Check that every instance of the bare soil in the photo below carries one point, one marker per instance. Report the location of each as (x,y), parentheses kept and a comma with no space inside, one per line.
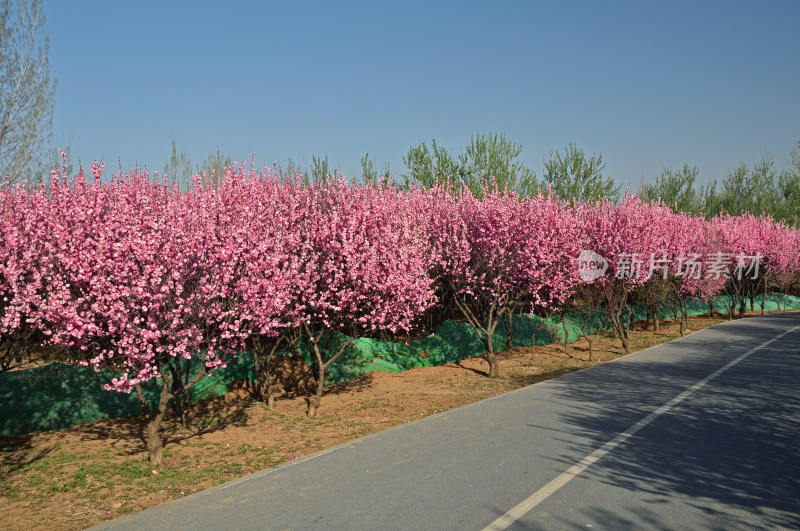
(74,478)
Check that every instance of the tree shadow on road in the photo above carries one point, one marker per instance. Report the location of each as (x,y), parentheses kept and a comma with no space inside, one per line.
(733,446)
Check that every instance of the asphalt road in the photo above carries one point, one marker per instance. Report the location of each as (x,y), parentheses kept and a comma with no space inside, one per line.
(699,433)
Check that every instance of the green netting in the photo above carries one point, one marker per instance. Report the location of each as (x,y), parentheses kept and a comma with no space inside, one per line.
(58,396)
(575,318)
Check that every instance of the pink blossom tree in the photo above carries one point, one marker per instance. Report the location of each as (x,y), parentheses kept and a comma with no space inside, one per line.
(268,219)
(18,336)
(368,270)
(498,255)
(628,236)
(690,242)
(742,244)
(133,277)
(783,254)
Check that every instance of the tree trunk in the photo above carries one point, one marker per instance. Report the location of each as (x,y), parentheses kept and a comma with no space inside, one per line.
(260,370)
(566,334)
(318,366)
(511,328)
(181,400)
(655,321)
(494,363)
(319,347)
(315,400)
(264,358)
(155,441)
(491,356)
(731,307)
(619,328)
(626,345)
(485,332)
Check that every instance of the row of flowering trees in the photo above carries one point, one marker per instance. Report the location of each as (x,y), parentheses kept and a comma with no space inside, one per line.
(135,275)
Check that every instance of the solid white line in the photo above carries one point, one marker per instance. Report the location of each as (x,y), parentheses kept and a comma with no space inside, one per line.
(540,495)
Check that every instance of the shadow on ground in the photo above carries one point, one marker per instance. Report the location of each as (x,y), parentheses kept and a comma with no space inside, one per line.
(734,447)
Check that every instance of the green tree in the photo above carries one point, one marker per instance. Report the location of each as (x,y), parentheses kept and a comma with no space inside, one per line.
(709,199)
(676,188)
(734,184)
(763,197)
(321,169)
(27,93)
(370,172)
(789,189)
(492,157)
(290,168)
(574,176)
(428,167)
(753,190)
(178,168)
(488,158)
(214,166)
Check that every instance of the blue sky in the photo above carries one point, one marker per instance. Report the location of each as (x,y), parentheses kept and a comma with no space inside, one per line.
(647,84)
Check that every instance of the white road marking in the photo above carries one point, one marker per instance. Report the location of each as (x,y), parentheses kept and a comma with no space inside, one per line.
(540,495)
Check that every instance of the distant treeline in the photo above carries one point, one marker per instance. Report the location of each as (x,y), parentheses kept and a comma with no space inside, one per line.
(758,188)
